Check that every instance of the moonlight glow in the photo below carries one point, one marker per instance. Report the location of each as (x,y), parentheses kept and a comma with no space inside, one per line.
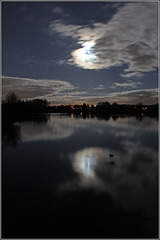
(87,52)
(85,55)
(85,162)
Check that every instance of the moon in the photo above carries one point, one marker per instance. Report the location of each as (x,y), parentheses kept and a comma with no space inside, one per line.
(86,52)
(85,55)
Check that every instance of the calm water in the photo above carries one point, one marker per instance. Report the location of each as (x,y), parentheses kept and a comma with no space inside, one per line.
(66,176)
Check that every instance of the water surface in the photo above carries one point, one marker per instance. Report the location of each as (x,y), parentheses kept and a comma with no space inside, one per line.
(82,177)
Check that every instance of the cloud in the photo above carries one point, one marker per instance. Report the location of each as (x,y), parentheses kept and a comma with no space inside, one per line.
(127,84)
(100,87)
(146,96)
(65,30)
(133,74)
(129,38)
(62,92)
(55,91)
(76,93)
(27,88)
(57,10)
(117,5)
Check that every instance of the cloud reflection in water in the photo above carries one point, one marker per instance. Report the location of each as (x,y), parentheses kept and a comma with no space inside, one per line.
(64,127)
(129,177)
(131,181)
(85,162)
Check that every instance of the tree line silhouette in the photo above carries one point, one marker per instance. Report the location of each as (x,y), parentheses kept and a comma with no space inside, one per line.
(13,107)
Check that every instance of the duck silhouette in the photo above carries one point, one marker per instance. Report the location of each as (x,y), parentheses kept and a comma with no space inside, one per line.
(111,162)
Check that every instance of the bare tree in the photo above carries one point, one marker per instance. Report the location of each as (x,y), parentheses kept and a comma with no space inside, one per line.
(11,98)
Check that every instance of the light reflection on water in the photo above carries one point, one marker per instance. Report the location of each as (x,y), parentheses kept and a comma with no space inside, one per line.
(129,178)
(66,156)
(64,126)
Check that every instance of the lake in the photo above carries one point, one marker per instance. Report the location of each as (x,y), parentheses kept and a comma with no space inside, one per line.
(67,176)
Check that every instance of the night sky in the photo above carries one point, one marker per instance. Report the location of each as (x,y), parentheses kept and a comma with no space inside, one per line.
(76,52)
